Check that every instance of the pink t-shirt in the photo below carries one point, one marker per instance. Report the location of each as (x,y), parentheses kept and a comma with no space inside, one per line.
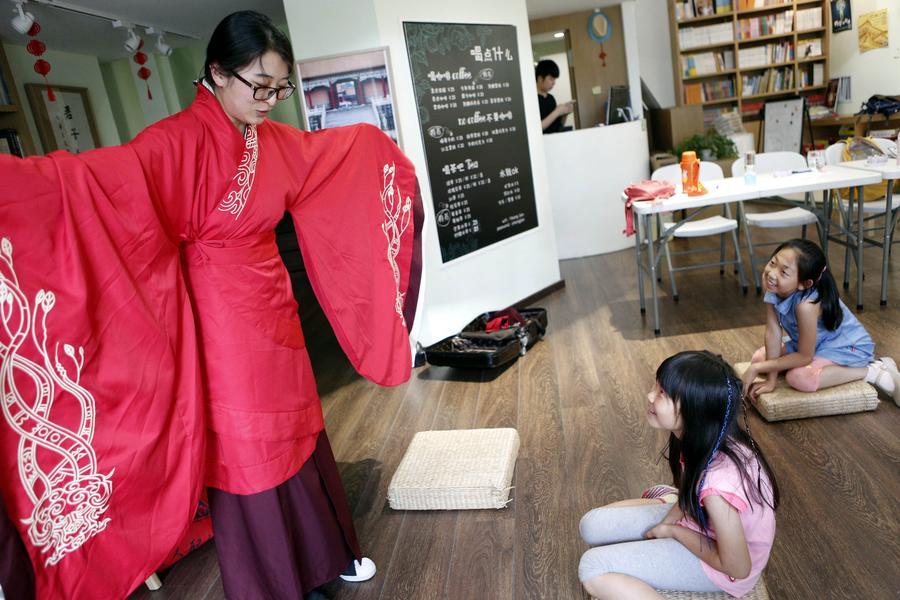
(723,479)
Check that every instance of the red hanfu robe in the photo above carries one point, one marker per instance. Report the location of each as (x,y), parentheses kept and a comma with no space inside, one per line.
(149,338)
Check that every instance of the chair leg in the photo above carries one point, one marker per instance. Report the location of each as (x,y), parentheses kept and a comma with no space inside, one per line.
(671,273)
(803,232)
(754,272)
(721,254)
(739,263)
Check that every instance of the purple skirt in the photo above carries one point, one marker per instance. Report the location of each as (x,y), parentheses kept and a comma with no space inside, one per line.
(280,543)
(288,540)
(16,576)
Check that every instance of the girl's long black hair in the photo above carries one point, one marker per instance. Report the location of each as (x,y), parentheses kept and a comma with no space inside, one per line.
(708,394)
(812,266)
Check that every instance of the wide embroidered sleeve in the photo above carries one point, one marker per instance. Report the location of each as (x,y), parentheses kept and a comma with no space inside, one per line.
(100,445)
(358,218)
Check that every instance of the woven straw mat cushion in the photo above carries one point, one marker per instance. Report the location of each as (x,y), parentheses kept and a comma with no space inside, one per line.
(759,592)
(449,470)
(784,402)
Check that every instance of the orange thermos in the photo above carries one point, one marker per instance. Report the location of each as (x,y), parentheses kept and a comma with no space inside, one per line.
(690,174)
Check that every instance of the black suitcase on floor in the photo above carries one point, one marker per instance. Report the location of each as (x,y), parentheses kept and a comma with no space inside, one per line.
(491,340)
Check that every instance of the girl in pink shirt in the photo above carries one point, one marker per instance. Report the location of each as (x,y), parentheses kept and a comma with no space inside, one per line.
(718,535)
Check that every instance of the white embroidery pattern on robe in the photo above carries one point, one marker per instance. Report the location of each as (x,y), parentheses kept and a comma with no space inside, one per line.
(397,213)
(236,200)
(57,465)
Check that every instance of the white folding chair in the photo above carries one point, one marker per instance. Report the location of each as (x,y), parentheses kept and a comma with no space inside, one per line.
(834,155)
(717,225)
(798,216)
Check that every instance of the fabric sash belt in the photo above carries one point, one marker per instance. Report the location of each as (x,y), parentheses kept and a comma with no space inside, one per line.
(239,251)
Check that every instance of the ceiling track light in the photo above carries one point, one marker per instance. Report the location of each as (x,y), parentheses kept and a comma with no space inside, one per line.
(161,46)
(22,21)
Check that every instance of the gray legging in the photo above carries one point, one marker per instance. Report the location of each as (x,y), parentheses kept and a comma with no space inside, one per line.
(618,534)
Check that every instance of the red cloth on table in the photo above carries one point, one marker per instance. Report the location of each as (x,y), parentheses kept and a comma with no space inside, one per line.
(152,344)
(644,191)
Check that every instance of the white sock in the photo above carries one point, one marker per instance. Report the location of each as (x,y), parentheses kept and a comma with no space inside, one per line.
(885,381)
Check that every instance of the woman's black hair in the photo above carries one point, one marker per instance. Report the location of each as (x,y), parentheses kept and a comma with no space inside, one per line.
(812,266)
(708,395)
(242,37)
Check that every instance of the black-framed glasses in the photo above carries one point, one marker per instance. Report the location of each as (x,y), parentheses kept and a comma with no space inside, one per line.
(262,92)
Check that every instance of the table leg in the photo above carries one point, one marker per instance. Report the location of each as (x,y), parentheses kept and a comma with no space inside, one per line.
(860,242)
(888,230)
(651,259)
(638,242)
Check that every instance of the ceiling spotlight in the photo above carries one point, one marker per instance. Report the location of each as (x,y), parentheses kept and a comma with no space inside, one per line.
(161,47)
(22,21)
(132,42)
(559,34)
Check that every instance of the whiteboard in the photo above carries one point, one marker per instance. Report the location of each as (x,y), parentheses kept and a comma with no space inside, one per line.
(783,125)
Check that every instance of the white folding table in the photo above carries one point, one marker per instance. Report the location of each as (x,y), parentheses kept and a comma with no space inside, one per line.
(890,172)
(733,189)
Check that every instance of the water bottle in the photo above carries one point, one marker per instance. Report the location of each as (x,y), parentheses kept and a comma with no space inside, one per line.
(750,168)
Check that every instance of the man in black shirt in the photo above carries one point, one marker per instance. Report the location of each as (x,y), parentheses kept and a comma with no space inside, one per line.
(552,115)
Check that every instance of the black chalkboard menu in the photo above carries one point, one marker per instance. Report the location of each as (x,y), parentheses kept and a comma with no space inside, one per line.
(469,96)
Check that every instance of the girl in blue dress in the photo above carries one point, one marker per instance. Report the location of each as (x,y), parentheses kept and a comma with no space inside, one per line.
(824,344)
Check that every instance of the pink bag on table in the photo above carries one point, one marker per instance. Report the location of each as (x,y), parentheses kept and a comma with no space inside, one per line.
(642,192)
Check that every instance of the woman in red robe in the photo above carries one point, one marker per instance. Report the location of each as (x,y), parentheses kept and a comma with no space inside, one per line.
(150,341)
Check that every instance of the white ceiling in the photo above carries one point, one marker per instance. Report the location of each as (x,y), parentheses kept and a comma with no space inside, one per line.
(194,20)
(72,32)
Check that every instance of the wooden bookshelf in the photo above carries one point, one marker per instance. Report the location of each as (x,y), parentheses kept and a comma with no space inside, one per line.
(12,115)
(731,73)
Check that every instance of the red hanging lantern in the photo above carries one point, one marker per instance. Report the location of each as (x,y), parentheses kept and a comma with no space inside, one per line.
(37,48)
(144,73)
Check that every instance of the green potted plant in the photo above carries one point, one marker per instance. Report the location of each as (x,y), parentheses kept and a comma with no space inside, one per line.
(709,146)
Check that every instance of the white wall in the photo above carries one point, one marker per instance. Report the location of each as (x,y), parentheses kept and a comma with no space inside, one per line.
(655,49)
(498,275)
(588,170)
(873,72)
(67,69)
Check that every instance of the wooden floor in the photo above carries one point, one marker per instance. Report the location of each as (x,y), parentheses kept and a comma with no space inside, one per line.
(578,401)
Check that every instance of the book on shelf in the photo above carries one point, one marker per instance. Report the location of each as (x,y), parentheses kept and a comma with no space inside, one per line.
(697,93)
(810,48)
(10,142)
(705,35)
(767,82)
(5,96)
(760,56)
(809,18)
(755,27)
(831,93)
(812,75)
(751,4)
(752,108)
(701,8)
(705,63)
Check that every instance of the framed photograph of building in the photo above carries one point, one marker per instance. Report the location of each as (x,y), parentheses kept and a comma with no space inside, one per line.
(65,123)
(347,89)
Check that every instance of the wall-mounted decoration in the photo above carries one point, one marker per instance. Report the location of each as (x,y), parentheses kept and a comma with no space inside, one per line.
(468,86)
(600,29)
(66,123)
(841,20)
(873,30)
(348,89)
